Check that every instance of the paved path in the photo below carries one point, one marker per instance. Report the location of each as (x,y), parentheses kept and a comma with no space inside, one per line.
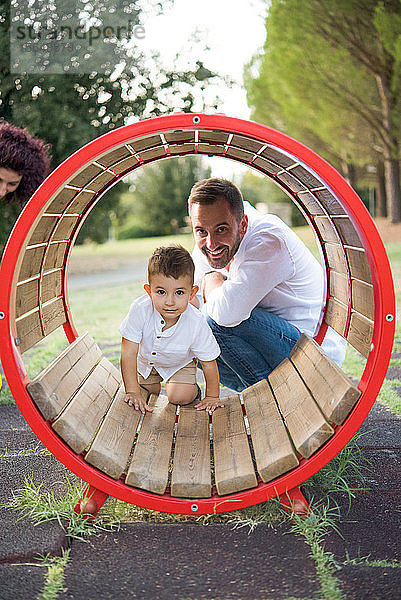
(188,561)
(124,274)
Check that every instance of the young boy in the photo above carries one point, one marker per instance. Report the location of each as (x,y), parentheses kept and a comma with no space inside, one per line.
(163,336)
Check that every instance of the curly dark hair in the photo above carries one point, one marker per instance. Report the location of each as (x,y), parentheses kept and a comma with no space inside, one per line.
(27,156)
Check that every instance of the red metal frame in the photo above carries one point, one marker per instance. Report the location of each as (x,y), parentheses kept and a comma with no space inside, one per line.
(376,365)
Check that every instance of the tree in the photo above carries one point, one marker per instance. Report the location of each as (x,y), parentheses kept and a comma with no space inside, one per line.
(71,108)
(336,79)
(161,193)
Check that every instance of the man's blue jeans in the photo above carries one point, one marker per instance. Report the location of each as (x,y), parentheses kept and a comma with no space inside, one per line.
(252,349)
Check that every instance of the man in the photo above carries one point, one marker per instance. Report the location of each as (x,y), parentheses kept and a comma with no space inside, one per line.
(261,287)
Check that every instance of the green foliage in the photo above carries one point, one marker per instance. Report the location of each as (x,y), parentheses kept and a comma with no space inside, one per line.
(161,193)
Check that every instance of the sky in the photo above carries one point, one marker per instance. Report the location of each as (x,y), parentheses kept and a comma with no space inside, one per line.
(234,31)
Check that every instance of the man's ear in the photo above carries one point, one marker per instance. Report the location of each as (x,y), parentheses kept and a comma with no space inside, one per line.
(243,226)
(146,287)
(194,291)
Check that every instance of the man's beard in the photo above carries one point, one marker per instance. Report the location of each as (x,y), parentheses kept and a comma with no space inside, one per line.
(222,261)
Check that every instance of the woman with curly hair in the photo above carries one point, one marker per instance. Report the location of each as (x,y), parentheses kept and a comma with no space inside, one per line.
(24,163)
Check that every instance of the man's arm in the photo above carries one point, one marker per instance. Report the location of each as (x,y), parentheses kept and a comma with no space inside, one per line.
(211,280)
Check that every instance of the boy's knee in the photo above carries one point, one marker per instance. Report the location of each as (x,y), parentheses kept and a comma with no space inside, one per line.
(181,394)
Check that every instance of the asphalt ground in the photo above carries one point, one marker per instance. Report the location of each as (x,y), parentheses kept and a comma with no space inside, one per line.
(192,561)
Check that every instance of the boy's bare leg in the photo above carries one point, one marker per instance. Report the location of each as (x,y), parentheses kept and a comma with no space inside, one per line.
(181,393)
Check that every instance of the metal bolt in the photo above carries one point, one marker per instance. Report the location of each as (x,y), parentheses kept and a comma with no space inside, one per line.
(2,315)
(389,318)
(194,507)
(372,347)
(195,120)
(17,341)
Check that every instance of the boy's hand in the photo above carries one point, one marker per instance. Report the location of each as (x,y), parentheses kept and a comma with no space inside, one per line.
(136,400)
(210,404)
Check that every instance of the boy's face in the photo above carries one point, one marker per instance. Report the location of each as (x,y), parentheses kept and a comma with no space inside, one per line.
(170,296)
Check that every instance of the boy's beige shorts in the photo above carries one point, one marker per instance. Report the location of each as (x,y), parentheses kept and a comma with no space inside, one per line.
(185,375)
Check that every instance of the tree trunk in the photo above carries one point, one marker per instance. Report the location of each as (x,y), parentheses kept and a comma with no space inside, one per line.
(393,189)
(381,200)
(349,173)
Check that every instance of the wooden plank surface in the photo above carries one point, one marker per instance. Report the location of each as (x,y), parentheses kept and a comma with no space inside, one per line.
(179,136)
(363,298)
(306,177)
(150,463)
(51,285)
(52,389)
(311,203)
(330,202)
(53,315)
(86,175)
(358,264)
(266,165)
(78,422)
(305,422)
(239,154)
(326,229)
(213,137)
(61,201)
(233,464)
(360,333)
(210,149)
(29,331)
(112,445)
(191,477)
(113,156)
(339,287)
(347,232)
(335,258)
(32,262)
(242,141)
(272,446)
(336,315)
(27,297)
(277,157)
(330,387)
(55,255)
(43,230)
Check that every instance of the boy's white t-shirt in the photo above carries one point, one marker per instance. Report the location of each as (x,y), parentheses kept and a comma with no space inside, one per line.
(271,269)
(170,350)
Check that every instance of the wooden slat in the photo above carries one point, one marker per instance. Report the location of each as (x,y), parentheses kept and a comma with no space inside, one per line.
(80,202)
(31,263)
(326,229)
(150,463)
(306,177)
(53,315)
(112,445)
(277,157)
(29,331)
(272,447)
(213,137)
(246,143)
(358,264)
(347,232)
(336,315)
(290,181)
(61,201)
(191,477)
(339,286)
(55,255)
(52,285)
(147,142)
(307,426)
(360,333)
(65,227)
(180,136)
(43,230)
(53,388)
(329,202)
(210,149)
(99,182)
(310,203)
(124,165)
(78,422)
(265,165)
(363,298)
(152,153)
(182,149)
(27,297)
(330,387)
(85,176)
(239,154)
(232,456)
(114,156)
(336,258)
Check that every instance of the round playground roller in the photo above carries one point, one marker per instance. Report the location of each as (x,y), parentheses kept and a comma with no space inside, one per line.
(40,244)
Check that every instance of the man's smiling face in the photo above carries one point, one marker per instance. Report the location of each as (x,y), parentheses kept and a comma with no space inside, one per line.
(217,232)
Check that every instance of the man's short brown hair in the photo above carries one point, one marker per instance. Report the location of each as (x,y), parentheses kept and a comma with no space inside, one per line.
(208,191)
(171,261)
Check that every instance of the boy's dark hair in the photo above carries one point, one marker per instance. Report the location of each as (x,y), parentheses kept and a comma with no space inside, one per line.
(27,156)
(171,261)
(207,191)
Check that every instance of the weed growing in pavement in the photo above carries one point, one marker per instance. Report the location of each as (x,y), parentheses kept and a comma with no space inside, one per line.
(322,519)
(364,561)
(54,581)
(40,506)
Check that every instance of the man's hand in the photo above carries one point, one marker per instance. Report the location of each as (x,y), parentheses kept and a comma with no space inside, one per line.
(137,400)
(211,281)
(210,404)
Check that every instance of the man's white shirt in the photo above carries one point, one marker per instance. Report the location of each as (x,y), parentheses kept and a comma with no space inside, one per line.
(272,269)
(170,350)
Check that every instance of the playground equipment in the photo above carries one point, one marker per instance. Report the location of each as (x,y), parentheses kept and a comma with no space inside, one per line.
(281,431)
